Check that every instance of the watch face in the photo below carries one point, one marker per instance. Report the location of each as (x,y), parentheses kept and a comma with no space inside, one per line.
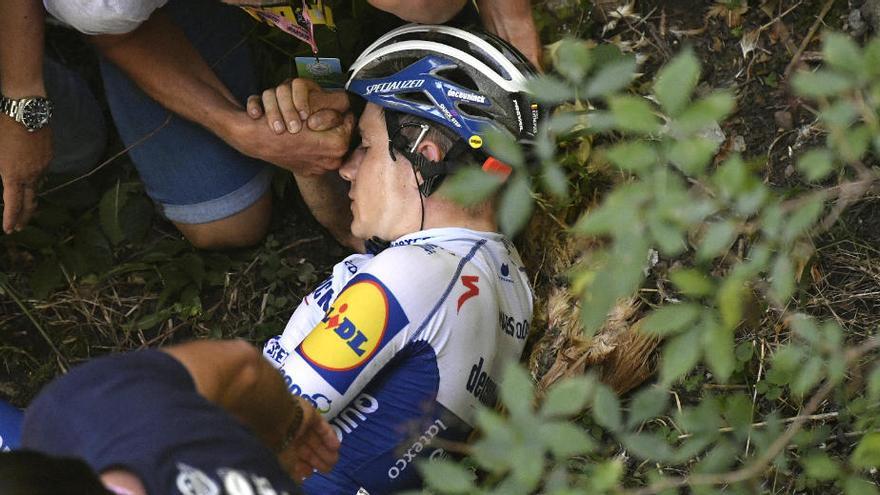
(36,112)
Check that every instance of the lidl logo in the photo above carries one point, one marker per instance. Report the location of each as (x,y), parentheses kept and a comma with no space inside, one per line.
(475,141)
(357,325)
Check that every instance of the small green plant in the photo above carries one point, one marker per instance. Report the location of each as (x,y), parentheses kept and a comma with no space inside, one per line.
(739,245)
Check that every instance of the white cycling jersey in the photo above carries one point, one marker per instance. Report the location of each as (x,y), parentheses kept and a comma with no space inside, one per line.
(399,348)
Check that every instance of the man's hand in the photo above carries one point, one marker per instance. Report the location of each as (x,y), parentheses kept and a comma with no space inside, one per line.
(512,20)
(314,446)
(297,101)
(24,156)
(306,152)
(297,126)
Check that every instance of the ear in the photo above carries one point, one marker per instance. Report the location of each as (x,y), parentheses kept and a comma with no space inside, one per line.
(429,150)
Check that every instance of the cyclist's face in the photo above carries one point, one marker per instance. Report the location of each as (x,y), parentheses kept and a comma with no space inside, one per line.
(384,196)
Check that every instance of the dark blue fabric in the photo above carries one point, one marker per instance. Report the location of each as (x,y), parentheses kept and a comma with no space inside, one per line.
(374,449)
(10,426)
(140,411)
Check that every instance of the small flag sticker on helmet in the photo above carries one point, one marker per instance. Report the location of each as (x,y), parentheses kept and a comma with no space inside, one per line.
(475,141)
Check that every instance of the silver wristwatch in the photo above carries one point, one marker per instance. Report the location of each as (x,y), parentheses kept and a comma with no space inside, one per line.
(32,112)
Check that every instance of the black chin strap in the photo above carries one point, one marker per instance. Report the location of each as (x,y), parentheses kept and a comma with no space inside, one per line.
(432,172)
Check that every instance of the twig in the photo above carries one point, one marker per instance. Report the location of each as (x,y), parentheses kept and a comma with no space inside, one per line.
(761,424)
(778,445)
(812,32)
(62,361)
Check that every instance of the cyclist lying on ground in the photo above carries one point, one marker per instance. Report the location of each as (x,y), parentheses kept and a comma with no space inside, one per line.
(399,346)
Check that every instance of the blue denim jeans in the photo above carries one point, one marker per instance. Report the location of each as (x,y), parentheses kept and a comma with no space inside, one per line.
(193,175)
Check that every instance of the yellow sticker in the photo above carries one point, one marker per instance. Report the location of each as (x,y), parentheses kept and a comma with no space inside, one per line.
(475,141)
(352,330)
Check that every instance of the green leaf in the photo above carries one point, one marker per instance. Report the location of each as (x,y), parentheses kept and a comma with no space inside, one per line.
(691,282)
(46,277)
(565,439)
(719,236)
(852,143)
(516,390)
(471,185)
(568,397)
(447,476)
(872,56)
(516,205)
(730,301)
(782,279)
(668,237)
(554,180)
(109,209)
(633,113)
(720,458)
(692,155)
(136,217)
(671,319)
(550,89)
(620,208)
(803,218)
(528,468)
(805,328)
(647,404)
(820,83)
(679,356)
(31,237)
(867,453)
(606,475)
(807,376)
(648,446)
(840,114)
(718,343)
(574,59)
(874,385)
(493,448)
(634,156)
(606,409)
(788,358)
(816,164)
(841,52)
(503,147)
(857,486)
(705,113)
(676,81)
(610,78)
(820,466)
(732,177)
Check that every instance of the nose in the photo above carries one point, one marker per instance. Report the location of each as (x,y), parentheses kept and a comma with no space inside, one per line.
(349,169)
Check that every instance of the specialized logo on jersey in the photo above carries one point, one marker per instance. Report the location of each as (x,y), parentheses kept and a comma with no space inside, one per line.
(359,323)
(470,283)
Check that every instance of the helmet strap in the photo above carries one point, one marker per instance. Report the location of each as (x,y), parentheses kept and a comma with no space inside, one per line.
(433,172)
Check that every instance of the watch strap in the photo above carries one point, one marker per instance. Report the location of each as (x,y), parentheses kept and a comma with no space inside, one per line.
(9,107)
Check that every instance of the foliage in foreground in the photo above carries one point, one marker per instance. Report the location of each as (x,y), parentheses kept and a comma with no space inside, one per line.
(740,247)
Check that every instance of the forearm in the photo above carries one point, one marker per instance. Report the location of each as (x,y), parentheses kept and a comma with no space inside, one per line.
(21,48)
(159,58)
(422,11)
(326,196)
(235,376)
(512,20)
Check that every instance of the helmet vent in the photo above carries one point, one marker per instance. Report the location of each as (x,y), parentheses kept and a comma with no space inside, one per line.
(459,77)
(418,97)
